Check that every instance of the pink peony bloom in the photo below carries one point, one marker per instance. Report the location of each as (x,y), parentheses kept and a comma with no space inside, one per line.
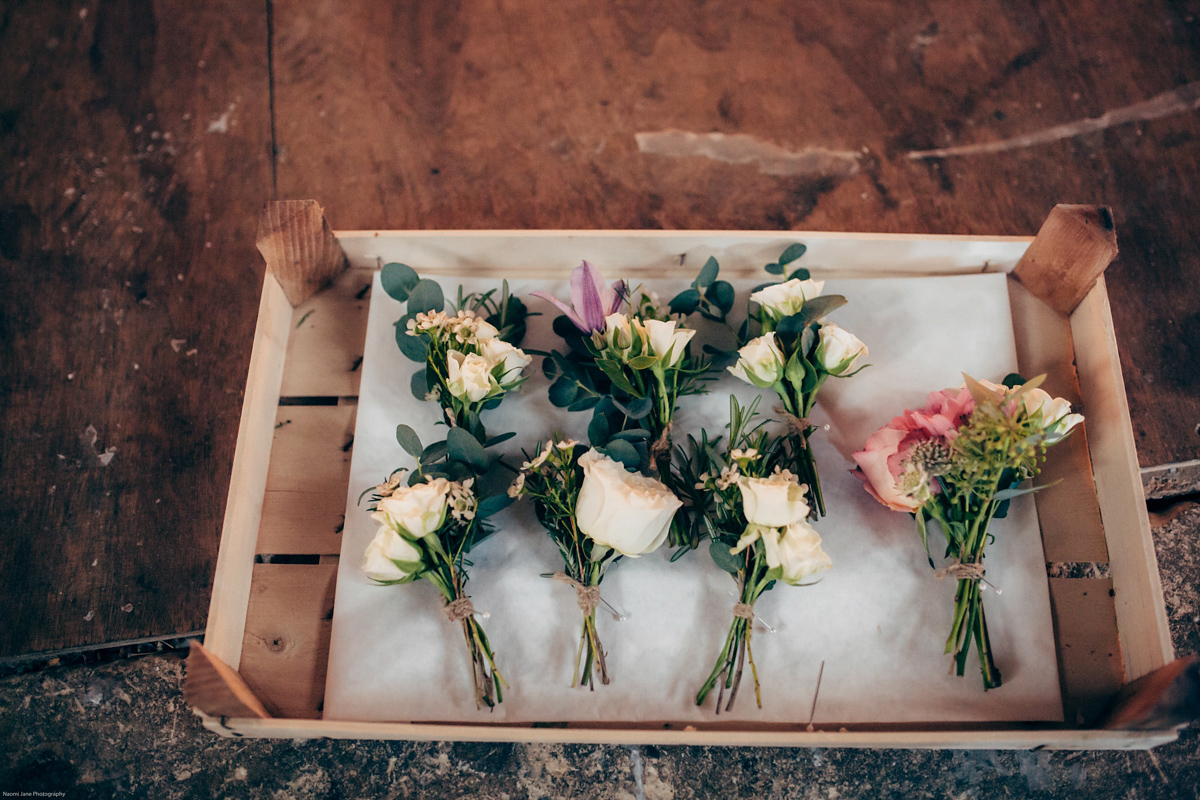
(884,457)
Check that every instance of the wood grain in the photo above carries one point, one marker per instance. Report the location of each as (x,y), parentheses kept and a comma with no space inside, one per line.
(527,115)
(134,156)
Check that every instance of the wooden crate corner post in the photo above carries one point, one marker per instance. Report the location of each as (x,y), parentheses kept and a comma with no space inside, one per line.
(1074,246)
(299,247)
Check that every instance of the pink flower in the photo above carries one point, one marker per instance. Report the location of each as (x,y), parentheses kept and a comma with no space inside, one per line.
(591,300)
(884,458)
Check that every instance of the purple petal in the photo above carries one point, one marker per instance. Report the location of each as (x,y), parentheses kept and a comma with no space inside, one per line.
(620,290)
(563,307)
(586,287)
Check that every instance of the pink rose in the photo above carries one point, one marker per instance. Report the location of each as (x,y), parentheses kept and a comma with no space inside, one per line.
(886,452)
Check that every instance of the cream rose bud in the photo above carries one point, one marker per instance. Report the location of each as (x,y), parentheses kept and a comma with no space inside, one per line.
(514,359)
(667,341)
(1055,412)
(787,298)
(388,547)
(625,511)
(797,551)
(617,332)
(838,350)
(485,330)
(468,375)
(775,501)
(760,362)
(418,510)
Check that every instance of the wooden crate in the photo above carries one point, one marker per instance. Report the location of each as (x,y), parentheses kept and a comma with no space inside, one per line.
(261,670)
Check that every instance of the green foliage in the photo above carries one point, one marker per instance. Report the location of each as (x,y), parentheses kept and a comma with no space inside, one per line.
(398,280)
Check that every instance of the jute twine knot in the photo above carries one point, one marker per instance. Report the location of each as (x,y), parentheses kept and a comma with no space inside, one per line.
(663,443)
(588,597)
(743,611)
(798,425)
(459,609)
(963,572)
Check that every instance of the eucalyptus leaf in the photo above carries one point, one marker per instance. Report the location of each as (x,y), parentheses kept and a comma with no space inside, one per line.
(723,558)
(636,408)
(426,296)
(1013,379)
(550,368)
(818,307)
(599,430)
(793,252)
(498,438)
(584,403)
(419,385)
(432,453)
(563,392)
(774,269)
(627,454)
(632,435)
(409,440)
(414,348)
(800,274)
(708,274)
(721,295)
(466,449)
(686,302)
(492,505)
(398,280)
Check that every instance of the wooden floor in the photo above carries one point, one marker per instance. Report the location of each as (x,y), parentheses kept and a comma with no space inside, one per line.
(138,141)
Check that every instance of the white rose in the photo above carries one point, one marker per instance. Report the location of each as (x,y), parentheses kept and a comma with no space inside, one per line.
(484,330)
(468,376)
(838,350)
(617,332)
(666,341)
(775,501)
(416,510)
(514,359)
(628,512)
(760,362)
(1056,415)
(388,547)
(787,298)
(797,550)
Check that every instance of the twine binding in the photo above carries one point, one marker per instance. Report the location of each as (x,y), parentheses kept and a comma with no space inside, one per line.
(459,609)
(743,611)
(797,425)
(964,572)
(588,597)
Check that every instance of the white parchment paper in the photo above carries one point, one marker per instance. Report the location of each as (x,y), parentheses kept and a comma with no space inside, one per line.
(878,620)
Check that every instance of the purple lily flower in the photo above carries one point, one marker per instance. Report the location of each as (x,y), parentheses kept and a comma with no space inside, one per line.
(591,300)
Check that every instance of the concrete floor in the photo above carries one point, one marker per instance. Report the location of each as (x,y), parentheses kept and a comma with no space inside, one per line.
(121,729)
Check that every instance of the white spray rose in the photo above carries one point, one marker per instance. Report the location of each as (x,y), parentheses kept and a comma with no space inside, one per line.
(628,512)
(617,332)
(388,547)
(667,341)
(775,501)
(838,350)
(760,362)
(468,376)
(1056,415)
(484,330)
(787,298)
(416,510)
(514,359)
(797,550)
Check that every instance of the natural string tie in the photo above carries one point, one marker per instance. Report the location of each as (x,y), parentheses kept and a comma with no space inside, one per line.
(588,597)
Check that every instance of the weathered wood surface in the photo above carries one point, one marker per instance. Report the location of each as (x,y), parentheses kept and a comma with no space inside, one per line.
(576,114)
(134,160)
(136,145)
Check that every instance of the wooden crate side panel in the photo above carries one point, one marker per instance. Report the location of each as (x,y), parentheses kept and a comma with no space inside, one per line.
(243,509)
(286,647)
(324,355)
(928,738)
(1141,614)
(1087,645)
(1068,510)
(654,254)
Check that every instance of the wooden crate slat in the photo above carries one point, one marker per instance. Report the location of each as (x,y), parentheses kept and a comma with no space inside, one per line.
(1141,612)
(325,348)
(286,647)
(311,450)
(1068,511)
(1088,645)
(301,523)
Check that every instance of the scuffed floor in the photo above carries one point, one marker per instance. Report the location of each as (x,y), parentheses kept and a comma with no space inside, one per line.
(122,730)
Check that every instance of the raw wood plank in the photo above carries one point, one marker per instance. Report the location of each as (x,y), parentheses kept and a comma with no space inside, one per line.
(1141,614)
(311,451)
(1071,250)
(326,343)
(216,689)
(1088,649)
(134,156)
(287,637)
(561,115)
(1068,510)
